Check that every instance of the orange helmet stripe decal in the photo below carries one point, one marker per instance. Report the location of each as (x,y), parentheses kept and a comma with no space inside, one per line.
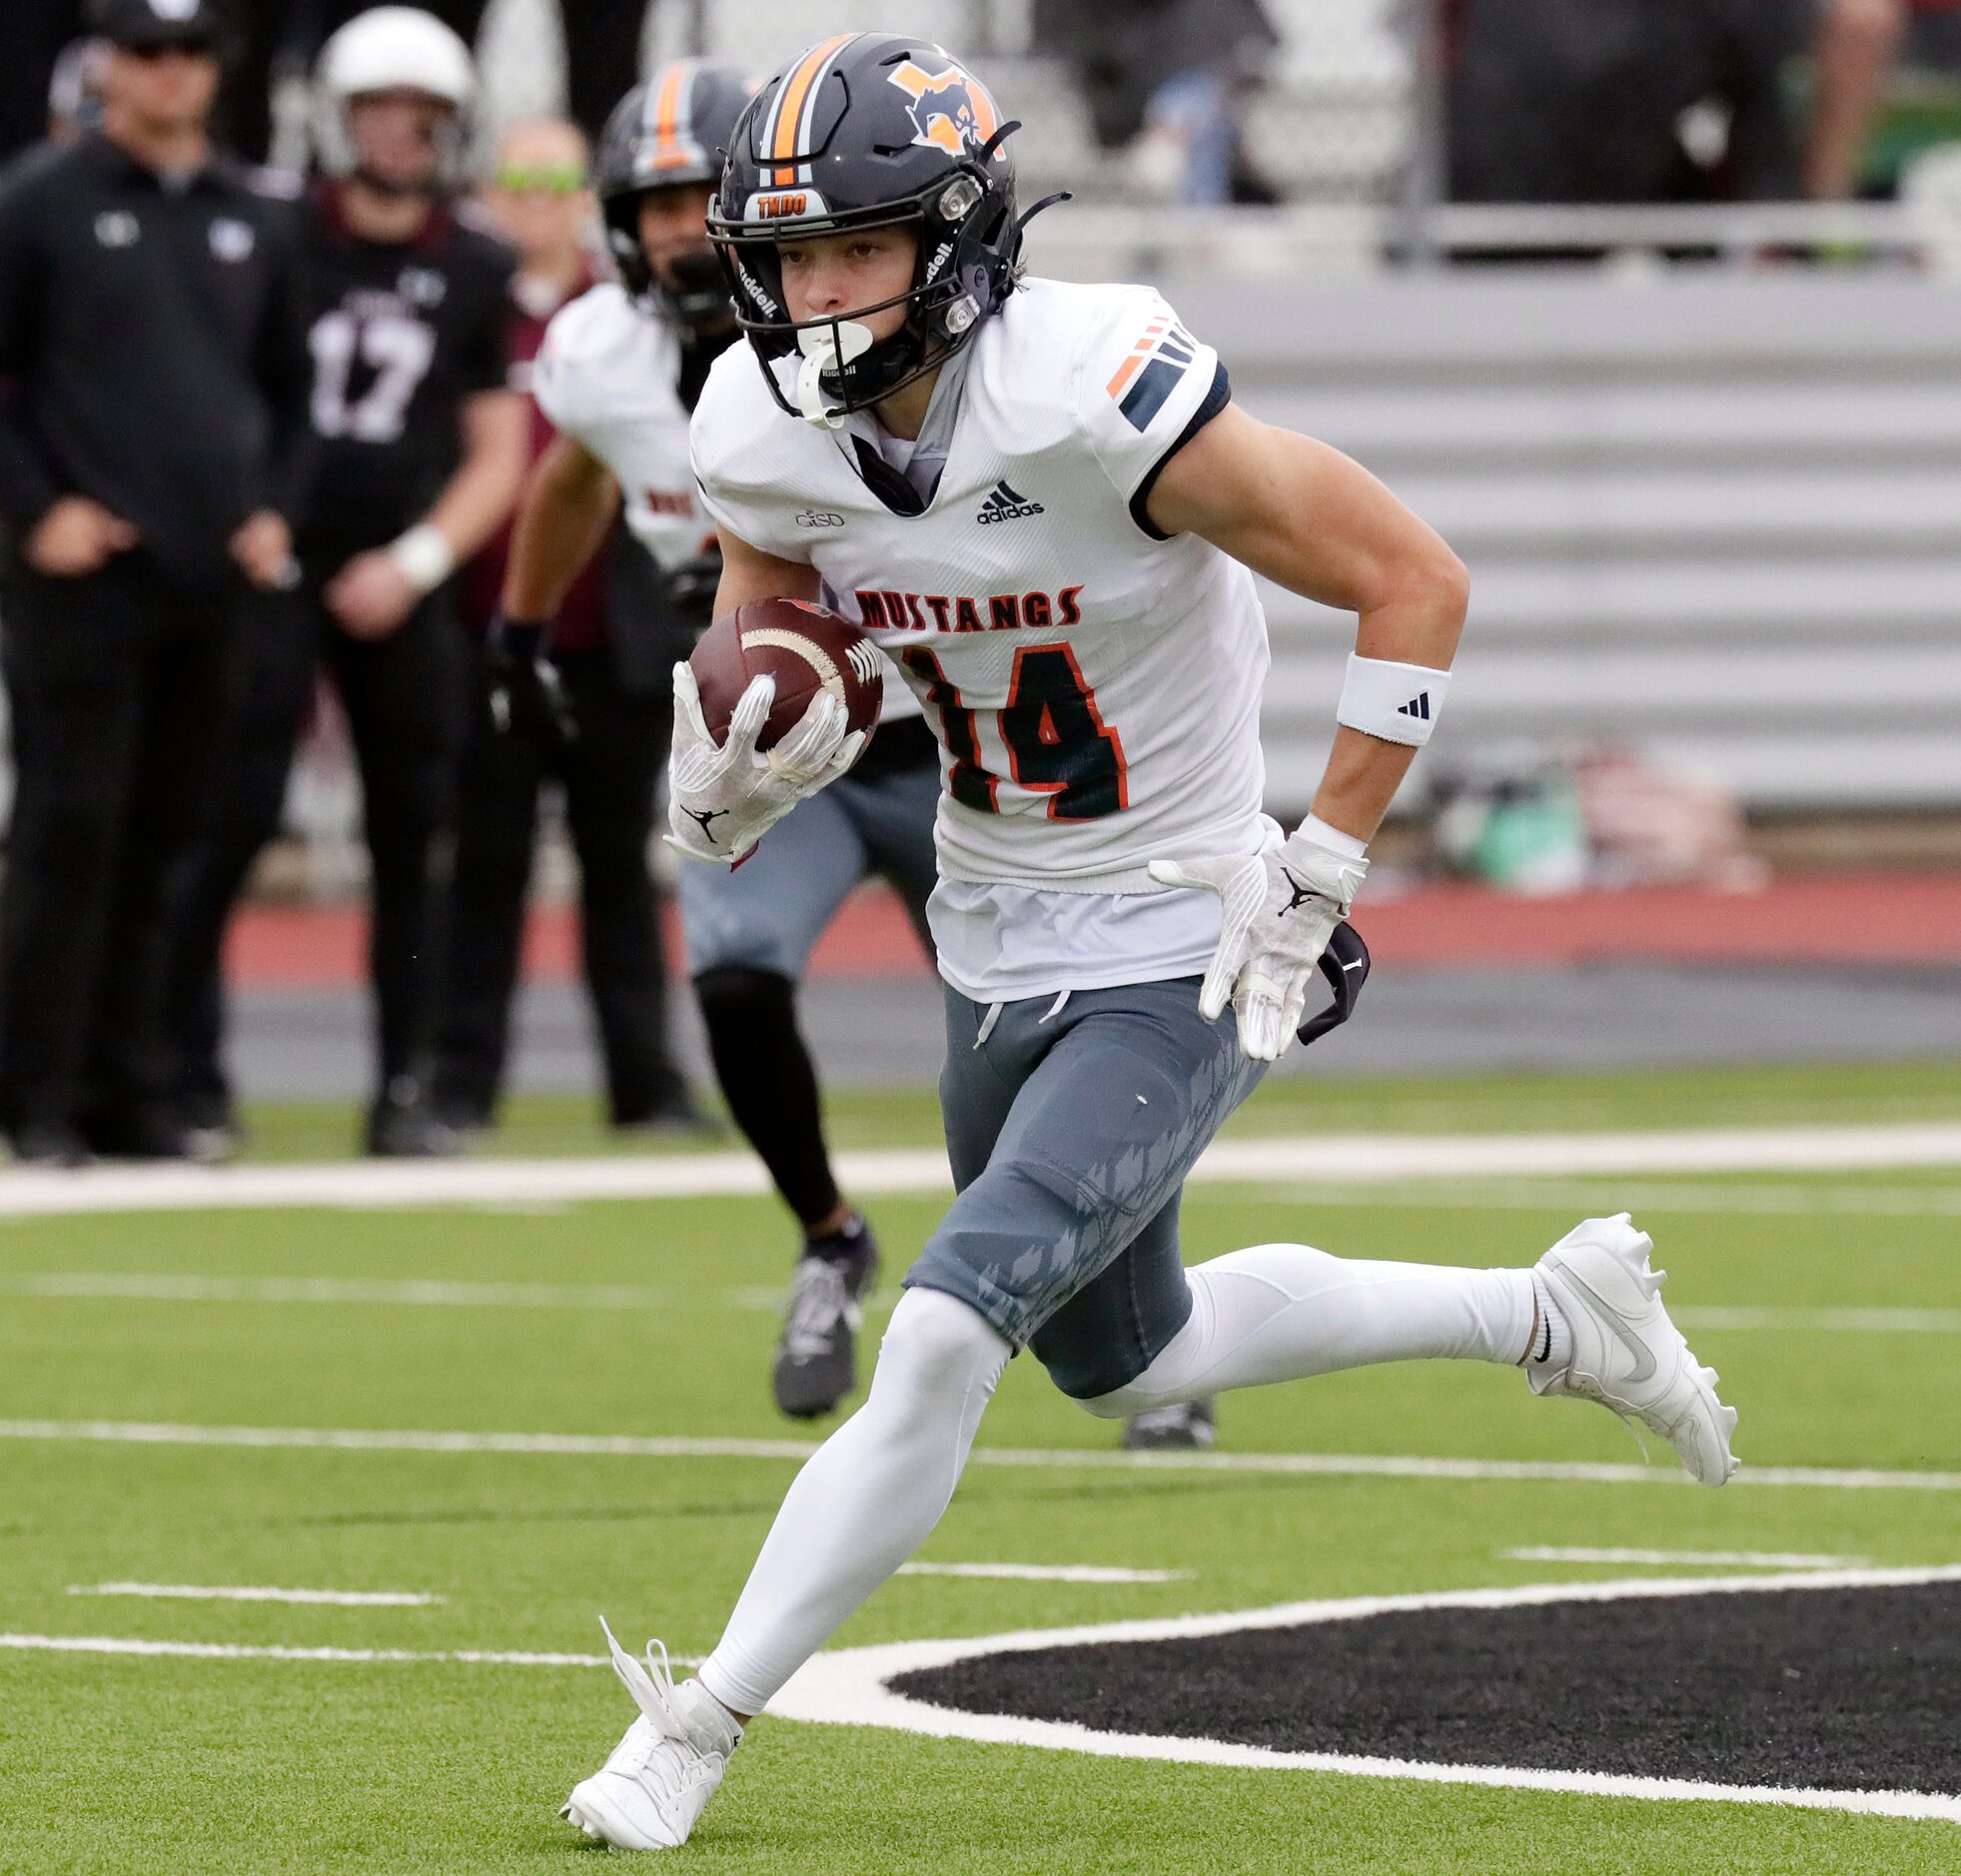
(797,92)
(669,150)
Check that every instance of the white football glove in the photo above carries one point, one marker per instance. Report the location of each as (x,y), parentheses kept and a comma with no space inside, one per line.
(722,797)
(1281,907)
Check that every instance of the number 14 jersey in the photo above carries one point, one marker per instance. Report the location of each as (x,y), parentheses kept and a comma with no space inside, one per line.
(1095,687)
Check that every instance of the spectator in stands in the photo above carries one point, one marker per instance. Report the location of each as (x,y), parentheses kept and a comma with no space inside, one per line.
(606,749)
(1169,80)
(1625,101)
(1852,55)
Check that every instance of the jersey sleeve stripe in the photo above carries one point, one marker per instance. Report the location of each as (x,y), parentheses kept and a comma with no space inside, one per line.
(1139,353)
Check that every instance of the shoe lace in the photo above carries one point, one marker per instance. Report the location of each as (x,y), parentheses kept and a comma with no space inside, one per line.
(653,1686)
(818,1299)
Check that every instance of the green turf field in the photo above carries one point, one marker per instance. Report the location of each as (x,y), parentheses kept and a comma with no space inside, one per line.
(162,1764)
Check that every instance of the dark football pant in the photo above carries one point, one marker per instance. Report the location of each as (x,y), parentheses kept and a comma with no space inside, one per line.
(120,689)
(404,701)
(1071,1123)
(609,772)
(750,929)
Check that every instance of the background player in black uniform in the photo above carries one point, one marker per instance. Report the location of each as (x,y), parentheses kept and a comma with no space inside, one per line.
(152,440)
(614,639)
(421,447)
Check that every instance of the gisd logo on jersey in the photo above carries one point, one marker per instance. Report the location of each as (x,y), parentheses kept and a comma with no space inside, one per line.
(950,109)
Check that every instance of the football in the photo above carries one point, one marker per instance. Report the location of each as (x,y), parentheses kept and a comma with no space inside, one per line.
(805,647)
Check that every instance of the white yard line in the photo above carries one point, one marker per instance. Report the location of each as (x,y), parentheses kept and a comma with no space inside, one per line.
(394,1293)
(1045,1572)
(849,1688)
(27,1192)
(1751,1560)
(130,1287)
(1849,1200)
(238,1651)
(675,1447)
(204,1592)
(1852,1322)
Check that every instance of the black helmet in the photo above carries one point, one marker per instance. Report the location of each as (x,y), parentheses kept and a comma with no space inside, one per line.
(671,131)
(137,24)
(869,129)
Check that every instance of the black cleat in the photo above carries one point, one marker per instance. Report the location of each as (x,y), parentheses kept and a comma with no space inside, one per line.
(1184,1426)
(816,1363)
(402,1125)
(42,1143)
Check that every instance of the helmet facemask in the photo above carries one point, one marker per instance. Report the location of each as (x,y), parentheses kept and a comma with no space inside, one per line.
(962,269)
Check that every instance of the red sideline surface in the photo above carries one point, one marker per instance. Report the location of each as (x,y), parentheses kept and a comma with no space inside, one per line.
(1892,918)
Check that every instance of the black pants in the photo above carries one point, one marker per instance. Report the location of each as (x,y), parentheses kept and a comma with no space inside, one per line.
(608,773)
(120,688)
(403,700)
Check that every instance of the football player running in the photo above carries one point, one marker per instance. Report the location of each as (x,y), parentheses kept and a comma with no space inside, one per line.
(1092,659)
(621,369)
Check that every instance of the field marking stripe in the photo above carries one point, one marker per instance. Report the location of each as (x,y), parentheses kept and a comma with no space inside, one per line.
(848,1688)
(1045,1572)
(1757,1559)
(1872,1322)
(1068,1459)
(129,1286)
(245,1592)
(392,1292)
(29,1192)
(239,1652)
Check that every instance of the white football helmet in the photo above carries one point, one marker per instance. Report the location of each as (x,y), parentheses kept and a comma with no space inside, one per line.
(393,48)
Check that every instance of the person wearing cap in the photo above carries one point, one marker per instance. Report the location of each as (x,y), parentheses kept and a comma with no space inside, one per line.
(613,643)
(153,452)
(421,448)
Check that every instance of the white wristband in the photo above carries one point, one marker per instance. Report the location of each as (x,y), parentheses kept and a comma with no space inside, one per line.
(424,559)
(1398,702)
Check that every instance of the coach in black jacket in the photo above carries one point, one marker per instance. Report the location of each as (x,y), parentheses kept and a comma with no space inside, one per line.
(153,442)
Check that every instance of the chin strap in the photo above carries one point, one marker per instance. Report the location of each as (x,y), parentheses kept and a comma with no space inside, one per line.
(827,350)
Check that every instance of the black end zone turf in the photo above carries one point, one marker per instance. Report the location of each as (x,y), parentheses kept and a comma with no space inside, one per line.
(1847,1689)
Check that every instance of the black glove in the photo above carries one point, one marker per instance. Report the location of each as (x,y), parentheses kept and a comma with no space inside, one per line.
(692,589)
(525,688)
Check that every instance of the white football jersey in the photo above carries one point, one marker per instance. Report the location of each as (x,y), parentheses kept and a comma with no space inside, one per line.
(1095,688)
(606,377)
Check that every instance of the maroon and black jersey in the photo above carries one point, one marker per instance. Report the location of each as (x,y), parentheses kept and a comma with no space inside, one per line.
(402,334)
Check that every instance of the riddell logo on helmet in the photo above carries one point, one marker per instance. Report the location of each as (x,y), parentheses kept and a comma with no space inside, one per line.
(950,109)
(771,208)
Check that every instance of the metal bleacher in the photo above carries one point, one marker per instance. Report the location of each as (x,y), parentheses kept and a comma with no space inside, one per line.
(1719,517)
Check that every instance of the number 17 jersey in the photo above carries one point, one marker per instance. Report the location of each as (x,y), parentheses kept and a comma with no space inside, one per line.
(1095,685)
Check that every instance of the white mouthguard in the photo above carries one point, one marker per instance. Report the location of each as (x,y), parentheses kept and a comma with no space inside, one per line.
(822,356)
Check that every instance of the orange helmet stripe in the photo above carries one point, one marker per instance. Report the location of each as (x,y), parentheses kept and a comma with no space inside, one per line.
(792,100)
(668,151)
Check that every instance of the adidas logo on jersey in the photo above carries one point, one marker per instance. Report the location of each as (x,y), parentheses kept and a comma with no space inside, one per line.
(1418,707)
(1005,506)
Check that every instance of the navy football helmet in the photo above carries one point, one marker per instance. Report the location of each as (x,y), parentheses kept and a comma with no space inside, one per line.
(672,131)
(869,129)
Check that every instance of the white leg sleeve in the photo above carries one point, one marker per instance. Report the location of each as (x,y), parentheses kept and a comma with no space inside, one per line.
(1283,1312)
(865,1499)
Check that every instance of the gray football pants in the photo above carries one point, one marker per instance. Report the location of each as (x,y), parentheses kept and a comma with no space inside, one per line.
(767,913)
(1070,1129)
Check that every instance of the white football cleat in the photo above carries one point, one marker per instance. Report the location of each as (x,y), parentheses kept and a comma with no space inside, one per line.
(659,1778)
(1627,1353)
